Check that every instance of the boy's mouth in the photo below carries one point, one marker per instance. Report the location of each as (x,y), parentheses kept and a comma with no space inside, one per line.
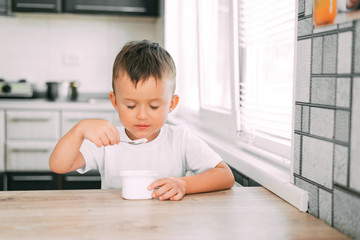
(142,126)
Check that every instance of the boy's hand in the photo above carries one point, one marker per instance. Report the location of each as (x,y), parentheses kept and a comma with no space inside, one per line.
(101,132)
(169,188)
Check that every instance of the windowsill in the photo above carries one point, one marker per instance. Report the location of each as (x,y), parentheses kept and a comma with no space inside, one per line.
(275,179)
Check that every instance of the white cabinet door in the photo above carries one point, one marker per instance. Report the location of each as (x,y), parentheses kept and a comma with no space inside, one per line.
(69,118)
(2,141)
(28,156)
(32,125)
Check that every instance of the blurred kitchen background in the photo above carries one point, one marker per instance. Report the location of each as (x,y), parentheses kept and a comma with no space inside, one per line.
(68,46)
(275,96)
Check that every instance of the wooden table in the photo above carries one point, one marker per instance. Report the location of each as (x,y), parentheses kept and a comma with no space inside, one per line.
(238,213)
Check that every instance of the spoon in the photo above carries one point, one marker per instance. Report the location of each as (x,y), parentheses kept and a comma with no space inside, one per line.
(136,142)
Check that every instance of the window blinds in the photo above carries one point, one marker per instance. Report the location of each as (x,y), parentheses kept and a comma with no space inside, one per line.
(266,43)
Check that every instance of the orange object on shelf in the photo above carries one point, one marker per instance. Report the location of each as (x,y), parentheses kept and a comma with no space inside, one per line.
(324,11)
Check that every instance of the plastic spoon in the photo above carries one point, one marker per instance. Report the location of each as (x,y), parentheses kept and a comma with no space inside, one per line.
(137,141)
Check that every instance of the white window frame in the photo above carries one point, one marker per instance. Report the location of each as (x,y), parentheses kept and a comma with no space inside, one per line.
(262,166)
(214,118)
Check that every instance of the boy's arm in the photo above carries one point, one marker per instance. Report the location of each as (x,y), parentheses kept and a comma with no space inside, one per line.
(214,179)
(66,156)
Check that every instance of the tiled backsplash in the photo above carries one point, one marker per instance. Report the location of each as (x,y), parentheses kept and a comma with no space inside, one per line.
(327,121)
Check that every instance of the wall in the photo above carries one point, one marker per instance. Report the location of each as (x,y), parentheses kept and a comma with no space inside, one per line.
(57,47)
(327,125)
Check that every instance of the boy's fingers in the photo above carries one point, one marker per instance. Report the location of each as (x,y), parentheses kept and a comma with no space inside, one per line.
(176,197)
(157,183)
(112,139)
(161,191)
(168,194)
(97,142)
(116,134)
(104,140)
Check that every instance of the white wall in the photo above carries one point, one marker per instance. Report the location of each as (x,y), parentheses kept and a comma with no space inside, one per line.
(58,47)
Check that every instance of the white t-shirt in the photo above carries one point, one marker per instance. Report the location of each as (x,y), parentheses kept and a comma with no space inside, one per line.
(175,151)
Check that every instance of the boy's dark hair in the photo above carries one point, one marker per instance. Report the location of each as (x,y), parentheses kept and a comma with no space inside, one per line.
(143,59)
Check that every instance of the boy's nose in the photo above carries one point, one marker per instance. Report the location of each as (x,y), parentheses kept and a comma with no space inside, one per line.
(141,114)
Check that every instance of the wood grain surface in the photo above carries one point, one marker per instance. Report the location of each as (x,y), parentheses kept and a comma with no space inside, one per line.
(238,213)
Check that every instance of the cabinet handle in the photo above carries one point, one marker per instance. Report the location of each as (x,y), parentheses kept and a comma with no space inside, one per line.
(33,150)
(29,119)
(109,8)
(33,178)
(36,5)
(74,119)
(82,178)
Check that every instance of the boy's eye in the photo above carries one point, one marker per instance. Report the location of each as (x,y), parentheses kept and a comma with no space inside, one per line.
(131,107)
(154,107)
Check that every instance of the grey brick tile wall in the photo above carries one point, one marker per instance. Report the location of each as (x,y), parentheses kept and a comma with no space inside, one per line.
(301,7)
(308,7)
(313,193)
(305,119)
(317,157)
(342,125)
(340,164)
(323,91)
(346,212)
(327,122)
(322,122)
(325,206)
(305,27)
(297,150)
(343,92)
(303,70)
(298,117)
(344,53)
(317,48)
(357,48)
(355,137)
(329,53)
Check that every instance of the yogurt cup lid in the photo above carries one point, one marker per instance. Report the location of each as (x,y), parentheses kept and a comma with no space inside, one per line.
(138,173)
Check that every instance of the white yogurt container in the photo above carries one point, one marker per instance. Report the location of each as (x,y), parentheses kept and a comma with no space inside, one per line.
(135,183)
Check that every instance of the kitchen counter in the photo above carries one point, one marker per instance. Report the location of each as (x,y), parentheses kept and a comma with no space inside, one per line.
(43,104)
(238,213)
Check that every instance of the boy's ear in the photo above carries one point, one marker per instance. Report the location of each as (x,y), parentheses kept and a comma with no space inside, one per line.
(113,100)
(174,102)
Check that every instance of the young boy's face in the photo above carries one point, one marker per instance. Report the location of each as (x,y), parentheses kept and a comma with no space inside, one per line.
(143,110)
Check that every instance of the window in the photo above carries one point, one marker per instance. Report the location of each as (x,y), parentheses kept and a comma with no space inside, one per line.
(215,31)
(235,63)
(266,44)
(218,68)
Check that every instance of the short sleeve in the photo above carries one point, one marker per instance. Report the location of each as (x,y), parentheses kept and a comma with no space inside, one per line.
(92,154)
(199,156)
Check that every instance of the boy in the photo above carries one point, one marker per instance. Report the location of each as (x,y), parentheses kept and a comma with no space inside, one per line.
(143,94)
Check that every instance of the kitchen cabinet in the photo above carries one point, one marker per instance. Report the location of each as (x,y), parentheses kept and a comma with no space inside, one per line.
(32,181)
(36,5)
(70,118)
(4,7)
(2,141)
(28,156)
(2,182)
(30,138)
(75,180)
(35,180)
(119,7)
(32,130)
(32,125)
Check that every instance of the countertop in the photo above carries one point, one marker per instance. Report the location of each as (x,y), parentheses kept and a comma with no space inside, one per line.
(43,104)
(238,213)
